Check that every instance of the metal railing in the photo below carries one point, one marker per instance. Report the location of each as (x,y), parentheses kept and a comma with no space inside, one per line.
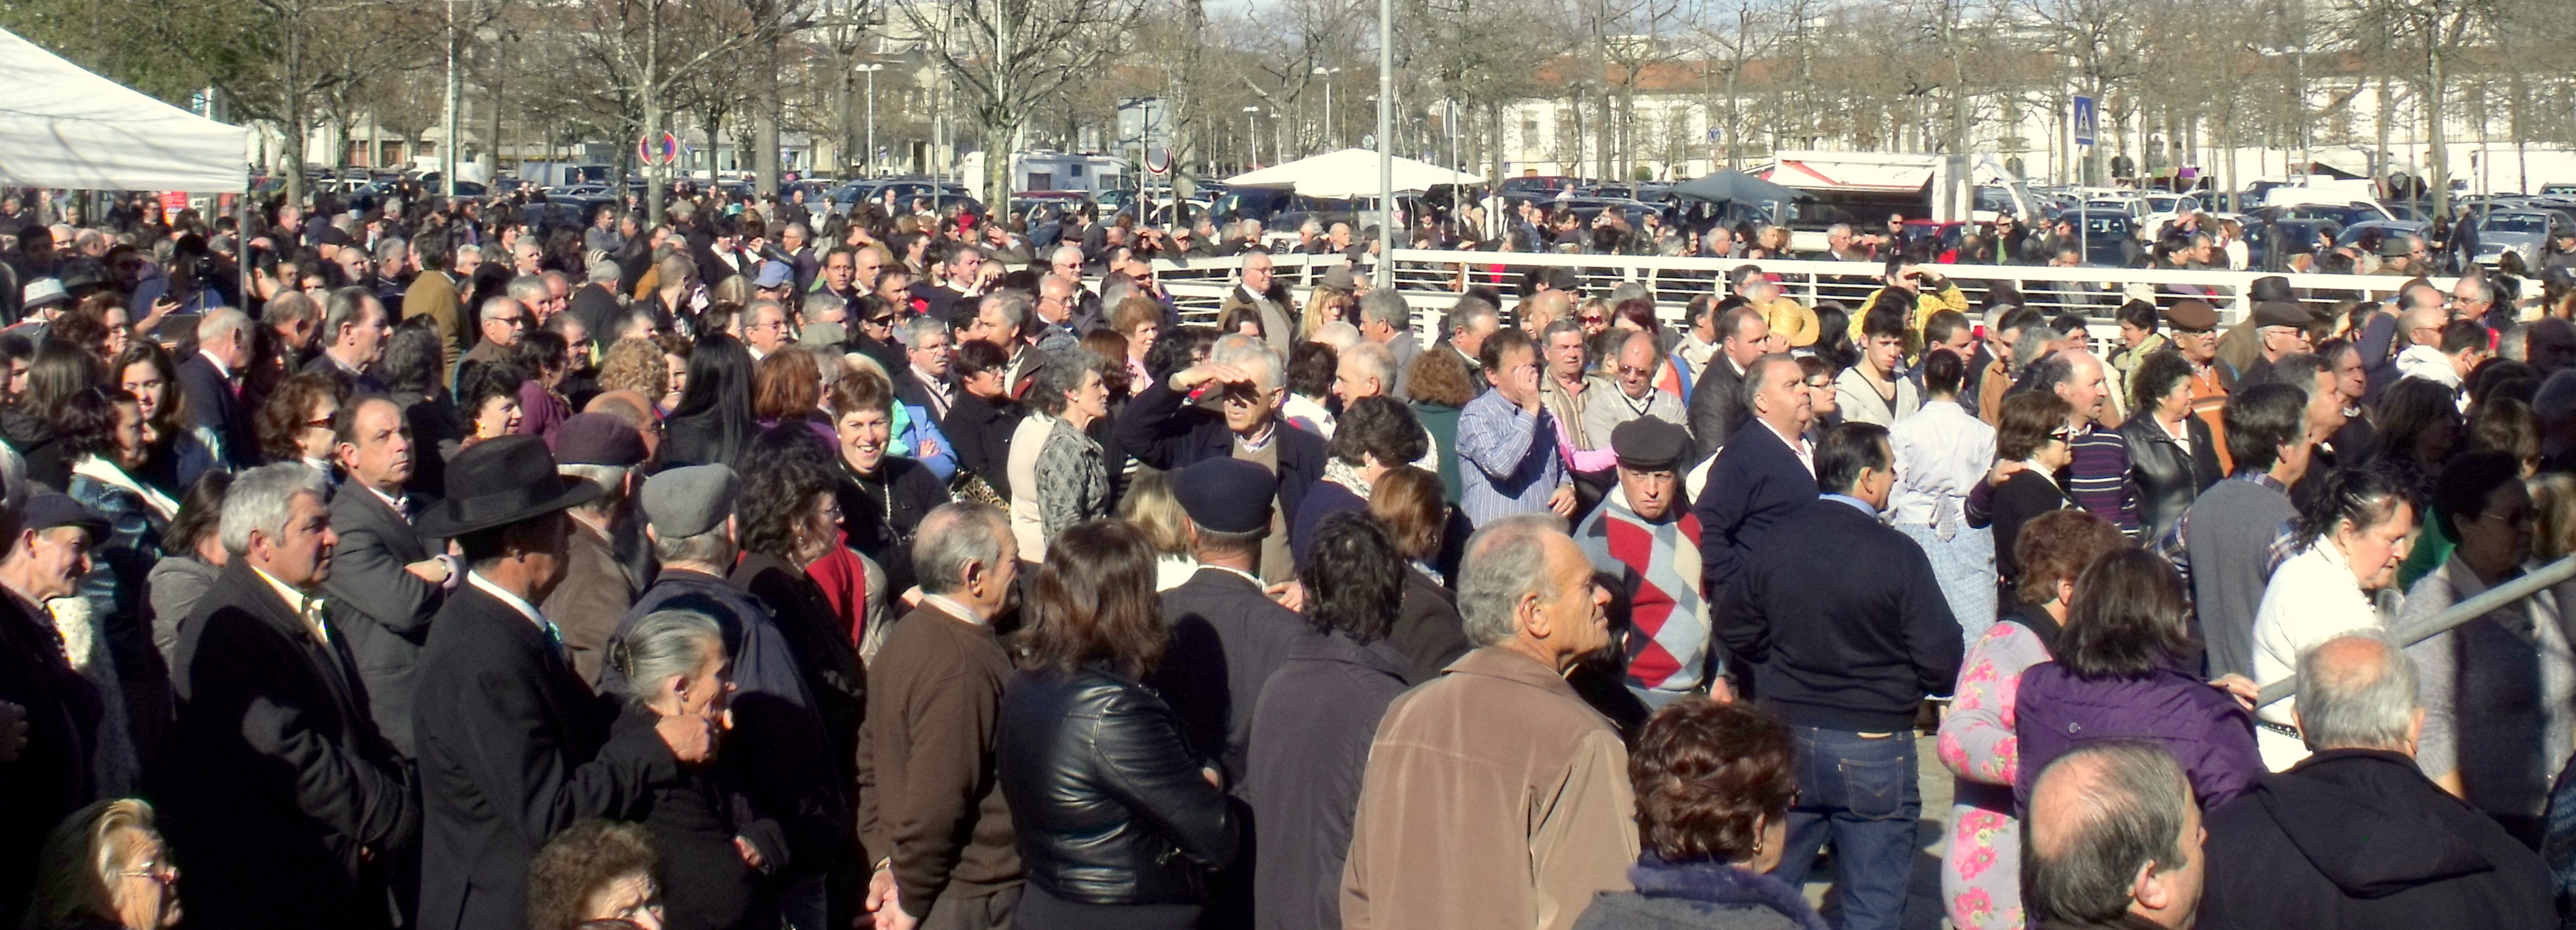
(2531,583)
(1431,280)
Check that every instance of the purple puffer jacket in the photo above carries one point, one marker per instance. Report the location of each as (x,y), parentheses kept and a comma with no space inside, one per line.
(2205,729)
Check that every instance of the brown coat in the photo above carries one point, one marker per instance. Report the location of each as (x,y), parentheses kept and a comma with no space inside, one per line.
(434,293)
(928,799)
(1494,799)
(593,595)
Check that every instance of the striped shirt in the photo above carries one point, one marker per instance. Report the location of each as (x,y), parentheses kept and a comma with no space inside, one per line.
(2097,478)
(1507,459)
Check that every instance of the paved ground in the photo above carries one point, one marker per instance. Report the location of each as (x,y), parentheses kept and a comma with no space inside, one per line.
(1923,910)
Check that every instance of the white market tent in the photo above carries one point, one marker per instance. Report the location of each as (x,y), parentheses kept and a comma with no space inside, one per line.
(1349,173)
(63,127)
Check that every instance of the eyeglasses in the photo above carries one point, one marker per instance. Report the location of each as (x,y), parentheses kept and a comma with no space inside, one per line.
(2063,434)
(2519,519)
(1636,372)
(1819,383)
(153,869)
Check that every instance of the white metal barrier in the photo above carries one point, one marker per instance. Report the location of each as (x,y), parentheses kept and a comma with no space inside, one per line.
(1431,280)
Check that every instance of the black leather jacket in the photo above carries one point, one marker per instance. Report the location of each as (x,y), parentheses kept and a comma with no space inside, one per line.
(2168,478)
(1110,804)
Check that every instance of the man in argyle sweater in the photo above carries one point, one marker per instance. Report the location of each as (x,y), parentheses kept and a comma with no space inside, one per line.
(1643,536)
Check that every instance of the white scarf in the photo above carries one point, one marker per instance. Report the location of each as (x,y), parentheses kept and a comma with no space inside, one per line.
(101,470)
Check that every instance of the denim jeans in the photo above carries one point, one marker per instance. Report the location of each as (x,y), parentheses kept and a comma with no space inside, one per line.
(1859,793)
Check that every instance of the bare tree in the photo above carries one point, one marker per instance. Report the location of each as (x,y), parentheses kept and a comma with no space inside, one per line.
(1008,57)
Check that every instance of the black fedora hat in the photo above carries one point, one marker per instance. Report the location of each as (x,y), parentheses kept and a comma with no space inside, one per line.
(499,482)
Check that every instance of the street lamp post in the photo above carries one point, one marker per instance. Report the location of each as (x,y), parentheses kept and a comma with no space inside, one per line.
(1251,139)
(870,160)
(1332,130)
(1385,125)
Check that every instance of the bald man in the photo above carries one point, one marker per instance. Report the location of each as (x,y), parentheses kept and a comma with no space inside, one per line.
(2105,811)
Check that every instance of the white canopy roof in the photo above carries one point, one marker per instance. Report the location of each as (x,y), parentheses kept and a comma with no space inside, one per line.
(61,126)
(1349,173)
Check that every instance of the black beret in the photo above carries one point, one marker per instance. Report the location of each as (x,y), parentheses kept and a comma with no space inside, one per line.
(1649,444)
(1226,495)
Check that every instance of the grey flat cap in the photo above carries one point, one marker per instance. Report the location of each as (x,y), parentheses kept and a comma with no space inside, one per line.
(685,502)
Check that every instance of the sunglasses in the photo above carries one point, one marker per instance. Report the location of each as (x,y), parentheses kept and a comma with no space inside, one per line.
(2063,434)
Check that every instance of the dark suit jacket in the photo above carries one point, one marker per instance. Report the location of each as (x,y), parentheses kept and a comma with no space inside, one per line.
(909,389)
(1227,637)
(981,431)
(51,777)
(1162,429)
(1427,628)
(213,406)
(1755,481)
(1716,406)
(290,803)
(382,609)
(357,385)
(514,750)
(598,310)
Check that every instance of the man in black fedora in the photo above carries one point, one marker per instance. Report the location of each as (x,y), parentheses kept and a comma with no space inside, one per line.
(514,748)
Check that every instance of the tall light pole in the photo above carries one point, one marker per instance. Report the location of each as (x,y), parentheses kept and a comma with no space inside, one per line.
(1251,139)
(1332,130)
(1385,276)
(870,160)
(448,122)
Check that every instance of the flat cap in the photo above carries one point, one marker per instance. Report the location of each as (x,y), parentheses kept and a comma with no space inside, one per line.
(1226,495)
(2192,315)
(1340,278)
(688,501)
(774,274)
(2281,313)
(2394,247)
(1650,444)
(598,439)
(48,509)
(330,235)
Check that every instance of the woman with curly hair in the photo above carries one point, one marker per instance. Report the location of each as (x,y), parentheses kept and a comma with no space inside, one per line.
(294,423)
(635,365)
(791,518)
(597,874)
(1714,782)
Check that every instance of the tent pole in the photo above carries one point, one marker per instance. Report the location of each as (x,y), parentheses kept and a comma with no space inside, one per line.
(241,249)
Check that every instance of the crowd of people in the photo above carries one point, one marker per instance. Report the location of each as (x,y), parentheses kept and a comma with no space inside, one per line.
(768,567)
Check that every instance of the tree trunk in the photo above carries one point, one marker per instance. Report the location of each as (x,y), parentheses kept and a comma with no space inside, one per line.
(2434,80)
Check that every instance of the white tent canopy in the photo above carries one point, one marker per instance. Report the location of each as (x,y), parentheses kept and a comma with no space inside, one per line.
(1349,173)
(61,126)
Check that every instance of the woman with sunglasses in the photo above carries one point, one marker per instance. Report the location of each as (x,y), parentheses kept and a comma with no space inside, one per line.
(2031,445)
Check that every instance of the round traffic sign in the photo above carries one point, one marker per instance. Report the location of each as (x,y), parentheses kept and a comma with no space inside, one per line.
(1158,160)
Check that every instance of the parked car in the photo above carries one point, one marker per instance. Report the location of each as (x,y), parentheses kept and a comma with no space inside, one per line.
(2523,232)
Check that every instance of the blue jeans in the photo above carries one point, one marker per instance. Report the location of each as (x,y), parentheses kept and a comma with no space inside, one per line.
(1860,794)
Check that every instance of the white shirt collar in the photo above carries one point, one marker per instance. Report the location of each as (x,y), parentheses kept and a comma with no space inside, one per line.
(1237,572)
(516,603)
(955,608)
(220,367)
(295,603)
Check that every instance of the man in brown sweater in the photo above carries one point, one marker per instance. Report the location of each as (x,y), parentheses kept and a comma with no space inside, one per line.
(926,752)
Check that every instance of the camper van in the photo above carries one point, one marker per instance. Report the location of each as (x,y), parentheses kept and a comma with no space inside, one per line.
(1865,188)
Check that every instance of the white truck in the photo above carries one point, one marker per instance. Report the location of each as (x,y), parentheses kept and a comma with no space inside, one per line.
(1056,171)
(1865,188)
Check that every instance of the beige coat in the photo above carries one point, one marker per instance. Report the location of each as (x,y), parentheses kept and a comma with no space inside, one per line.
(1494,799)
